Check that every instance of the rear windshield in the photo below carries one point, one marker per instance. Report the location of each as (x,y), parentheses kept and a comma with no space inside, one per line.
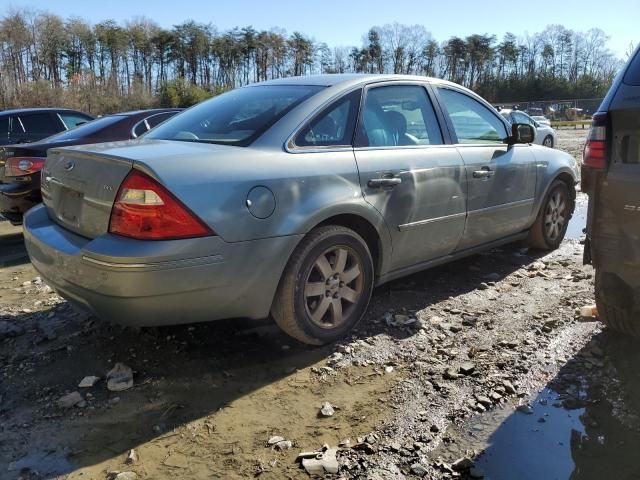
(89,129)
(632,77)
(234,118)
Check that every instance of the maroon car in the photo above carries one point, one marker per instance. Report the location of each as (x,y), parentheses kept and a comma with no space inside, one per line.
(20,164)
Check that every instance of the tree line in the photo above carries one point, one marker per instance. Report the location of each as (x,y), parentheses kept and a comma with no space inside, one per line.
(105,67)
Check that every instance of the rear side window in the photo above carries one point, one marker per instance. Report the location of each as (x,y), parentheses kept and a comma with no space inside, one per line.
(158,118)
(148,123)
(103,127)
(15,126)
(334,126)
(141,128)
(72,120)
(4,126)
(522,118)
(472,121)
(39,123)
(632,76)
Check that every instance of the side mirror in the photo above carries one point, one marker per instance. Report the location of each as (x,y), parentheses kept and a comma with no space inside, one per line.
(522,133)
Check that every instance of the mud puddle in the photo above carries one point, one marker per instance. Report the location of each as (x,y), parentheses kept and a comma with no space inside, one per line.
(584,424)
(579,220)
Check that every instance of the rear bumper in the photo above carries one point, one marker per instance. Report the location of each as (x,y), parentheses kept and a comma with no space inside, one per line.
(17,198)
(143,283)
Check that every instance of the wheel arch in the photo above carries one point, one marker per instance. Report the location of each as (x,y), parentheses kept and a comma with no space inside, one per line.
(565,176)
(362,218)
(366,230)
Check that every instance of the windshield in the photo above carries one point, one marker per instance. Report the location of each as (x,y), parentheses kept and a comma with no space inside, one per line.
(89,129)
(234,118)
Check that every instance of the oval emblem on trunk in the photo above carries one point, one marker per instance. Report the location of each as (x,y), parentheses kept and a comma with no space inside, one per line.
(69,165)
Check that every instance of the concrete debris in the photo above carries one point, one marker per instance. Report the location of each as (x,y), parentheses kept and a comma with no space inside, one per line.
(589,312)
(283,445)
(88,382)
(322,463)
(122,476)
(70,400)
(275,439)
(327,410)
(418,470)
(467,368)
(132,457)
(120,378)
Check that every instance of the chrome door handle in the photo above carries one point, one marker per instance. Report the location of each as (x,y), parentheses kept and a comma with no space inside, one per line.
(384,182)
(484,173)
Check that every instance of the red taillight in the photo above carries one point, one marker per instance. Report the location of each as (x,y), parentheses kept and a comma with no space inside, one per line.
(19,166)
(146,210)
(595,150)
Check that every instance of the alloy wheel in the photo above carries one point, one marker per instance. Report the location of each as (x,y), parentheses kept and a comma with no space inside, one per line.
(555,215)
(333,287)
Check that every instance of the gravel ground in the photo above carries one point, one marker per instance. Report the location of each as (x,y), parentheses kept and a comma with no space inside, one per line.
(442,362)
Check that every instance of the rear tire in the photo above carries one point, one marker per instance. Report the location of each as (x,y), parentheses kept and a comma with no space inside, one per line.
(326,286)
(622,320)
(553,218)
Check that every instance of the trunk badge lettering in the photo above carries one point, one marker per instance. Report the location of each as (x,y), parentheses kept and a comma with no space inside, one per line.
(69,165)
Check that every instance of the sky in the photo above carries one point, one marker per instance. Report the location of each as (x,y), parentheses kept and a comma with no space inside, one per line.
(344,22)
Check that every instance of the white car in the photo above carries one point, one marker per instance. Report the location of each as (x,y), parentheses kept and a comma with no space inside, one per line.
(545,135)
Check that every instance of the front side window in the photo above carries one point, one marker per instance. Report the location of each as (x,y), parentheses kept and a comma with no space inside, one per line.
(472,121)
(237,117)
(334,126)
(398,115)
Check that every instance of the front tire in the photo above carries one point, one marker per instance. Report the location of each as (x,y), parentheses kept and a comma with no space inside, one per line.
(326,286)
(548,141)
(550,226)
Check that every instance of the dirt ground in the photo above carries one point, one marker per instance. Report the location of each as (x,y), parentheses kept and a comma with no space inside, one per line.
(447,365)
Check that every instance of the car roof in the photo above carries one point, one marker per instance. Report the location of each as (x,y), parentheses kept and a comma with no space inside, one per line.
(148,111)
(39,109)
(347,79)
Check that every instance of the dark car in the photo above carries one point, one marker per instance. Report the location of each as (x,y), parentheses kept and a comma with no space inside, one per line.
(32,124)
(611,177)
(20,164)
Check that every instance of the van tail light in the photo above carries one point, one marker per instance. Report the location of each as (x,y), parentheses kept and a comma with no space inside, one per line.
(595,150)
(20,166)
(144,209)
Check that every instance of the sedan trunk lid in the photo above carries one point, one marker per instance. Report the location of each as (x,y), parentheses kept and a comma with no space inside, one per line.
(79,188)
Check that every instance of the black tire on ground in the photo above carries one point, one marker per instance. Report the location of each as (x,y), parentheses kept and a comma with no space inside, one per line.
(613,312)
(324,292)
(548,141)
(557,205)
